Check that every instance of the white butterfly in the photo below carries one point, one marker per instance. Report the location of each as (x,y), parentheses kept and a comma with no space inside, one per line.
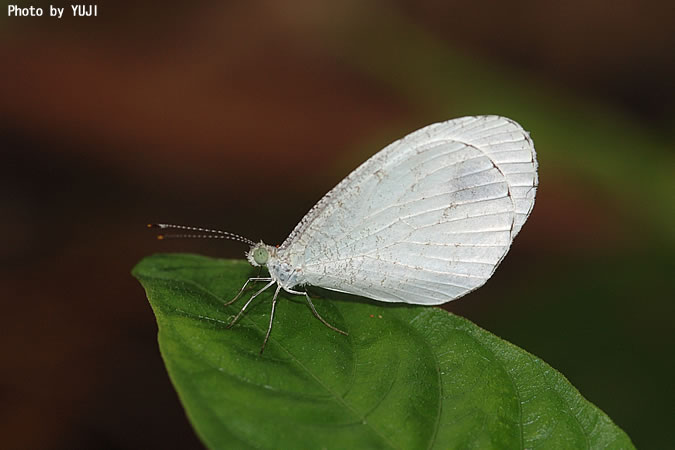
(424,221)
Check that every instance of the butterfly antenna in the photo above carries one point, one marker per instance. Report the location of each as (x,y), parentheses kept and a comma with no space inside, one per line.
(215,234)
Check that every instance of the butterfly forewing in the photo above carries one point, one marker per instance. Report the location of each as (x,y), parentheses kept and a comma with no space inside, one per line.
(424,221)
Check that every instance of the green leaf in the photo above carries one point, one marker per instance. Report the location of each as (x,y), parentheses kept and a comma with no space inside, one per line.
(405,377)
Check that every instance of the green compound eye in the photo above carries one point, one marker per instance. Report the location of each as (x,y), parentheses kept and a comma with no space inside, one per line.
(261,255)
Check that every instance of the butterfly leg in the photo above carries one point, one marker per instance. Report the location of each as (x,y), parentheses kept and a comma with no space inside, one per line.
(269,329)
(241,291)
(248,303)
(314,311)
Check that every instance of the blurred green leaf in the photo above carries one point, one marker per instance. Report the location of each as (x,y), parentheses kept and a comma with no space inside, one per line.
(405,377)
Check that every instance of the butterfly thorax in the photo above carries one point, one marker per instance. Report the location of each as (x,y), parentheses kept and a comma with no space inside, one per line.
(280,270)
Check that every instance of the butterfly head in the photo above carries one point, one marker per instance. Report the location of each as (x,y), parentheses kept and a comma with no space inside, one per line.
(260,254)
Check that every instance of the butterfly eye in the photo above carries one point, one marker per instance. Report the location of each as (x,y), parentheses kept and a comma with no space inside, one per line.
(261,255)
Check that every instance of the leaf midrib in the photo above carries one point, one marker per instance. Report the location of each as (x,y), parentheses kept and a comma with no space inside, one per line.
(293,358)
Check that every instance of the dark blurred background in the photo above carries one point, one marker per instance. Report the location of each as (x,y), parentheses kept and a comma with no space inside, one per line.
(241,115)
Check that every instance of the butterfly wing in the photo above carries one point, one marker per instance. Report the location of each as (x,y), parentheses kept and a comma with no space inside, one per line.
(425,220)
